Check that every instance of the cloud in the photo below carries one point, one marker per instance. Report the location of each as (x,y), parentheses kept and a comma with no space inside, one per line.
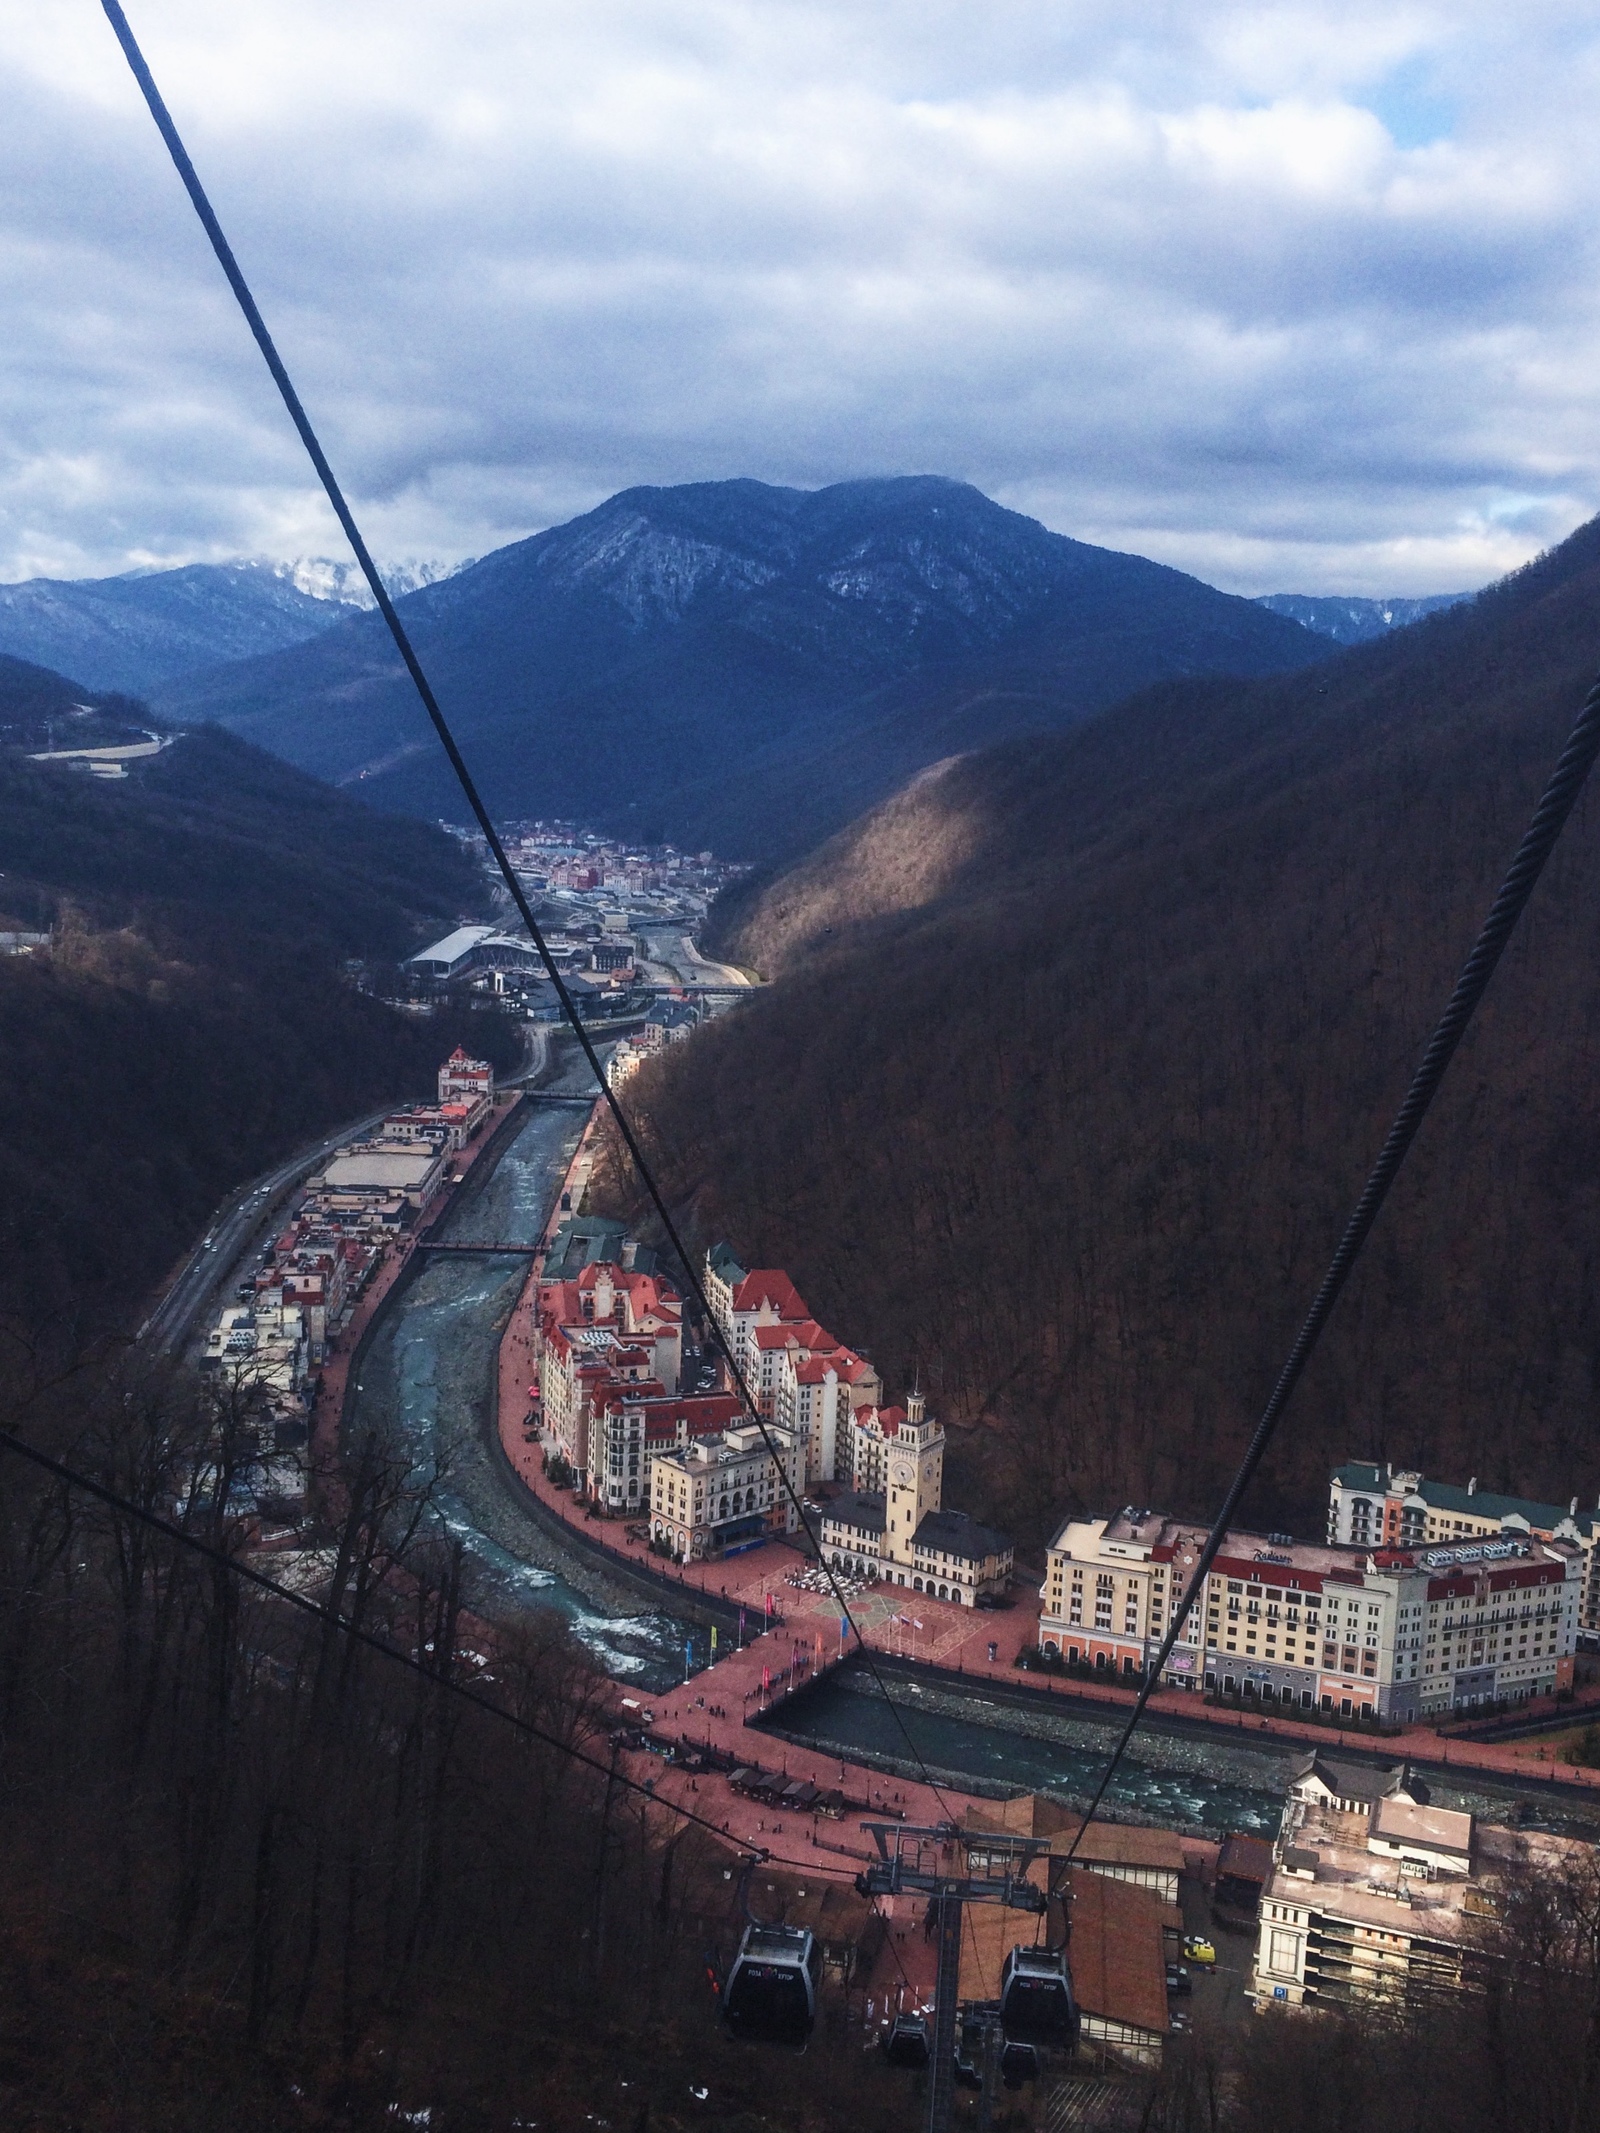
(1298,298)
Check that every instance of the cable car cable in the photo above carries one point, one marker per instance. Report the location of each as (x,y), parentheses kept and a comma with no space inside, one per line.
(72,1477)
(397,630)
(1538,841)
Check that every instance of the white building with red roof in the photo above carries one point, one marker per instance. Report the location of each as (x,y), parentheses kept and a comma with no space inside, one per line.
(1387,1632)
(635,1424)
(464,1080)
(609,1328)
(797,1373)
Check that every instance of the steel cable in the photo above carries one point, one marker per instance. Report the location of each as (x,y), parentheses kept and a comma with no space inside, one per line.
(1538,841)
(308,437)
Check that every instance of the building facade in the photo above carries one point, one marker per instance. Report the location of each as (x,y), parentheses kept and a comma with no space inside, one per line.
(633,1425)
(794,1369)
(722,1494)
(1392,1633)
(898,1532)
(1376,1894)
(1383,1505)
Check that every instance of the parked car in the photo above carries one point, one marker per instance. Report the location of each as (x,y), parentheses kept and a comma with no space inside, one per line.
(1199,1949)
(1178,1978)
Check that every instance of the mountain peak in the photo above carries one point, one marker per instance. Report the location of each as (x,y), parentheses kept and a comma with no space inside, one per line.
(742,664)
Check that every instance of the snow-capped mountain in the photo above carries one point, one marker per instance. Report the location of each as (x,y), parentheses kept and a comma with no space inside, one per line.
(148,628)
(1349,619)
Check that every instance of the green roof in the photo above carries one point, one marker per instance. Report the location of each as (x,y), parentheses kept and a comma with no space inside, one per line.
(1448,1496)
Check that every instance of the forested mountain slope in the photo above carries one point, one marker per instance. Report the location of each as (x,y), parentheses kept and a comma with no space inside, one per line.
(190,1021)
(146,628)
(738,665)
(1080,1050)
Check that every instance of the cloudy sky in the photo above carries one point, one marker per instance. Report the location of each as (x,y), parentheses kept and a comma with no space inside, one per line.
(1296,298)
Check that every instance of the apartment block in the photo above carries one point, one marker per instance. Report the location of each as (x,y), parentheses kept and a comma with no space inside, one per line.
(721,1495)
(795,1370)
(1377,1894)
(1393,1507)
(633,1425)
(1392,1633)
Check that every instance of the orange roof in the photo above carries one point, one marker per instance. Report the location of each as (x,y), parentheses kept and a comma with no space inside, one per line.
(1030,1814)
(1116,1954)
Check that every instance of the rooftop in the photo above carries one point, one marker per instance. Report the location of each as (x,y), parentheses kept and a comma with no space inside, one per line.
(1031,1814)
(863,1512)
(955,1533)
(1359,1781)
(1115,1953)
(1372,1889)
(1459,1502)
(397,1167)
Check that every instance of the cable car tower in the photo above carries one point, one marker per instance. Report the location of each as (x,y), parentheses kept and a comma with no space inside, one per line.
(954,1867)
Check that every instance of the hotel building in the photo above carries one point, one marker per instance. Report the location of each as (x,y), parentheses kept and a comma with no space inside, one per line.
(1390,1632)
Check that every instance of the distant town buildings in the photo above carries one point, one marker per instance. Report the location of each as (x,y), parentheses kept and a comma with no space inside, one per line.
(260,1358)
(1388,1632)
(616,921)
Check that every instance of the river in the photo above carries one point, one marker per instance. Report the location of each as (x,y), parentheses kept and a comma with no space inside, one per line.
(1176,1778)
(429,1375)
(428,1378)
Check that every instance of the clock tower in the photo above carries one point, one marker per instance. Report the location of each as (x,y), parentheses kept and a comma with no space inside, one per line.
(915,1484)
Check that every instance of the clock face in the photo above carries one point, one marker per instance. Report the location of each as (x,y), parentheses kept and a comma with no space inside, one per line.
(902,1476)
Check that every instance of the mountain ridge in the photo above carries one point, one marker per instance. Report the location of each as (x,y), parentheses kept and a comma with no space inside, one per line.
(188,1019)
(742,649)
(144,629)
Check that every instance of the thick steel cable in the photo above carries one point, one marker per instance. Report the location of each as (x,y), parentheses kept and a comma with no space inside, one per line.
(74,1478)
(1549,819)
(397,630)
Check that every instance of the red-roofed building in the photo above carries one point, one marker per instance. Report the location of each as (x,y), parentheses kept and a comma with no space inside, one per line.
(634,1424)
(797,1373)
(464,1080)
(611,1328)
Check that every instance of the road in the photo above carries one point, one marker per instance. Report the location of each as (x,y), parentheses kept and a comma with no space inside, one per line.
(672,950)
(232,1229)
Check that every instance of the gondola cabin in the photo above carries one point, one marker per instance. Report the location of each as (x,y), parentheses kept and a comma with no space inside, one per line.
(1036,2003)
(771,1993)
(909,2042)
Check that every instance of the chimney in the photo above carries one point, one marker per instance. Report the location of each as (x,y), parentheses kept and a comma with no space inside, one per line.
(1472,1486)
(630,1252)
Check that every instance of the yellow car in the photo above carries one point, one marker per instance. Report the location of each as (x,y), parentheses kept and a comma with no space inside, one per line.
(1198,1950)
